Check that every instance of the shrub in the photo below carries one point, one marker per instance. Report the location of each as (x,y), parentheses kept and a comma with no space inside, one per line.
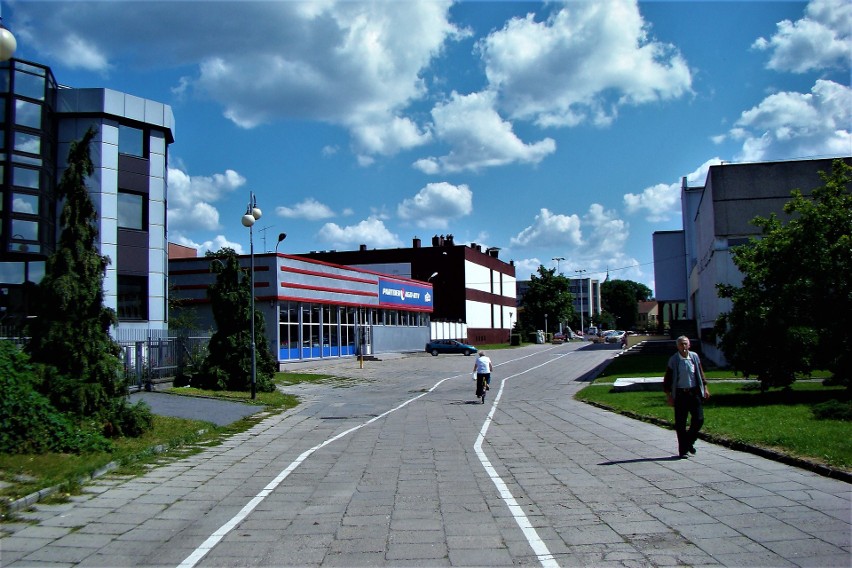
(28,422)
(833,410)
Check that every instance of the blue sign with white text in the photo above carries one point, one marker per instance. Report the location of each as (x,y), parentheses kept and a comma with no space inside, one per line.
(404,294)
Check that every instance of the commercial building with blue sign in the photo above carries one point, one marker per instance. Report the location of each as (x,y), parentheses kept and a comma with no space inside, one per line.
(315,309)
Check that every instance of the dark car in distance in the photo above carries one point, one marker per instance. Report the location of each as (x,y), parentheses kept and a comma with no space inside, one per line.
(449,346)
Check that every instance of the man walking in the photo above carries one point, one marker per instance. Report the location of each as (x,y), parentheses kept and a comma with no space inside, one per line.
(686,389)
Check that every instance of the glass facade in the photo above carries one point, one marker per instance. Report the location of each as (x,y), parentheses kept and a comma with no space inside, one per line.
(313,330)
(27,174)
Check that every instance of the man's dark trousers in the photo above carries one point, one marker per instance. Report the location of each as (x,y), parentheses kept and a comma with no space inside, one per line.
(688,401)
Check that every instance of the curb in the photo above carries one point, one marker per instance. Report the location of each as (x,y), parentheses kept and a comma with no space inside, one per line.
(35,497)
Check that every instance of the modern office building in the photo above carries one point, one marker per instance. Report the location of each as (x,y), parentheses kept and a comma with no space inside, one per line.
(474,290)
(689,264)
(314,309)
(40,119)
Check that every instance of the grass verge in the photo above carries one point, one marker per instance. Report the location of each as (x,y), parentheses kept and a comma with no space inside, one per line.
(22,475)
(779,420)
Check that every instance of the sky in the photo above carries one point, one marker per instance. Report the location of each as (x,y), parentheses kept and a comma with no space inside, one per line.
(549,130)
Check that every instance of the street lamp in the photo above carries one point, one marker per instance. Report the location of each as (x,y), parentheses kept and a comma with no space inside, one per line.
(281,237)
(582,279)
(557,259)
(545,326)
(8,43)
(249,219)
(434,274)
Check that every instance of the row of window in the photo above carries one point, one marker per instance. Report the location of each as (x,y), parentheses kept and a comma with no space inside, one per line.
(309,330)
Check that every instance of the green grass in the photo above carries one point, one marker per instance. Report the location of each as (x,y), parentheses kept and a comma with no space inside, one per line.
(654,365)
(781,420)
(169,438)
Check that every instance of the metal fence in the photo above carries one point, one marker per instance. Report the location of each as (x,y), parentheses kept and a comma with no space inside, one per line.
(148,357)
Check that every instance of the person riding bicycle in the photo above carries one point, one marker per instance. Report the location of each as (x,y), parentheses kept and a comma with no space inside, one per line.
(482,368)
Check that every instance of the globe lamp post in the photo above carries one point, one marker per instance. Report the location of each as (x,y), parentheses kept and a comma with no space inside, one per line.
(249,219)
(8,43)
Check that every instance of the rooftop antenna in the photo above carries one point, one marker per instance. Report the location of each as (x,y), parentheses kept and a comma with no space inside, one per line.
(263,230)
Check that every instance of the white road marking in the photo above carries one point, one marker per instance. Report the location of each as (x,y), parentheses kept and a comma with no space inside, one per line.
(538,545)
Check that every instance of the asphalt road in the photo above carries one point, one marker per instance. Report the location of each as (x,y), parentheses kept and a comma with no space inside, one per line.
(405,468)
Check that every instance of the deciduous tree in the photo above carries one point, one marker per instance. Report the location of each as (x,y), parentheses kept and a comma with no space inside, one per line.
(791,313)
(549,293)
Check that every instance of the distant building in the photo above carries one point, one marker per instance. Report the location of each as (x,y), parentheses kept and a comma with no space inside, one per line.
(586,294)
(647,316)
(180,251)
(40,119)
(689,264)
(474,290)
(316,310)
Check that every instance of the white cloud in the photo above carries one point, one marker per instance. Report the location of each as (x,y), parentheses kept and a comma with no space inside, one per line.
(191,198)
(607,233)
(214,245)
(821,39)
(791,125)
(661,201)
(479,136)
(525,267)
(371,232)
(550,229)
(436,204)
(309,209)
(581,63)
(354,64)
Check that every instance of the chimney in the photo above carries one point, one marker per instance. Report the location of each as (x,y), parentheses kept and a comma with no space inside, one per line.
(435,241)
(415,243)
(362,248)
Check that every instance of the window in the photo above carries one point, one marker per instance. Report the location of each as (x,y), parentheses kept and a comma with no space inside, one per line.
(29,143)
(29,85)
(131,211)
(132,297)
(131,141)
(25,203)
(25,177)
(28,114)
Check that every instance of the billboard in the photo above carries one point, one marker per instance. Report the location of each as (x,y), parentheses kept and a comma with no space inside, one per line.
(404,295)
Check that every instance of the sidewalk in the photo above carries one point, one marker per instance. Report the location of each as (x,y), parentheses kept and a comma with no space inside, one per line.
(219,412)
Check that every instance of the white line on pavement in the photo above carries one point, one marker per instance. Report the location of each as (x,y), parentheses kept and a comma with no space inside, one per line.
(222,531)
(538,545)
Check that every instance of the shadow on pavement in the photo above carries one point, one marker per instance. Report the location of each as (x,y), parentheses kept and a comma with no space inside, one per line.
(639,460)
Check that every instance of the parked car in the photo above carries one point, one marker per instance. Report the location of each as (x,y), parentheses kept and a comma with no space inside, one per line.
(449,346)
(614,336)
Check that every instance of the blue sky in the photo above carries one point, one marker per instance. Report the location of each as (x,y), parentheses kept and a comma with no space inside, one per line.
(549,130)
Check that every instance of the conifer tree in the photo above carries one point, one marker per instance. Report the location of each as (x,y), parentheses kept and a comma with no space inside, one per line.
(228,362)
(70,338)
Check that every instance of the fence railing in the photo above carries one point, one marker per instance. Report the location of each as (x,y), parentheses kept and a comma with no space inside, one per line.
(148,357)
(159,359)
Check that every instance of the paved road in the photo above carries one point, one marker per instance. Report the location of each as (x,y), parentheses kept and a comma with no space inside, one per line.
(405,469)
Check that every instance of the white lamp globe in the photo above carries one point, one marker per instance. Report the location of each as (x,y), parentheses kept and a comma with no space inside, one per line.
(256,213)
(8,44)
(248,220)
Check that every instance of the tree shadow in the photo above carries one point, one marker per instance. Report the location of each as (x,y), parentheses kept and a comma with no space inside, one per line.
(781,397)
